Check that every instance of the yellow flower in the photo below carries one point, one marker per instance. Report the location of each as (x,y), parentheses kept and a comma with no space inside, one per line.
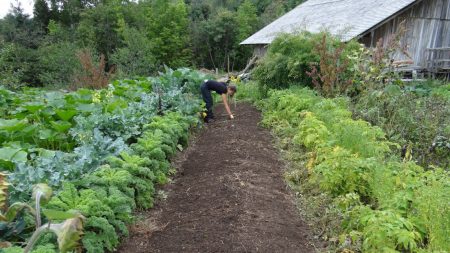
(96,98)
(109,94)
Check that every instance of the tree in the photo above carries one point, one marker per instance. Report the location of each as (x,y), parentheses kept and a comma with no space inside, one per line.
(199,11)
(247,19)
(167,30)
(18,66)
(17,27)
(248,22)
(222,33)
(18,49)
(261,5)
(293,3)
(42,14)
(135,58)
(58,64)
(274,10)
(99,28)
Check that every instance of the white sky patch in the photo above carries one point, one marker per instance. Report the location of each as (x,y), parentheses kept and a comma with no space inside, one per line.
(5,6)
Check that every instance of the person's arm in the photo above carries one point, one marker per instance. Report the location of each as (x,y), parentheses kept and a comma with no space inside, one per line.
(227,107)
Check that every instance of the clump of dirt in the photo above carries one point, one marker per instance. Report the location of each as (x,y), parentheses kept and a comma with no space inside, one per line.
(229,196)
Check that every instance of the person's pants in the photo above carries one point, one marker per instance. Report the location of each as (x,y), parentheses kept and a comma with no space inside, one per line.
(207,97)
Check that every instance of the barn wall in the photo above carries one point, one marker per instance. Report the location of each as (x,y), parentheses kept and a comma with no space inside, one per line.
(428,26)
(260,50)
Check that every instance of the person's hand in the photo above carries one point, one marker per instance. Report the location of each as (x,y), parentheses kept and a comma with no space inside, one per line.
(231,116)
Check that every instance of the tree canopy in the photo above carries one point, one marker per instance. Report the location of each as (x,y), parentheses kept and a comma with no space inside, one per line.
(136,38)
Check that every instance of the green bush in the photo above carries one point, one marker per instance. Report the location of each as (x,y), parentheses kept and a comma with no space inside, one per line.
(18,66)
(58,63)
(442,91)
(289,58)
(136,57)
(416,121)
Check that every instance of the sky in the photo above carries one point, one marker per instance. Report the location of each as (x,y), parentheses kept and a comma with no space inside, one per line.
(5,6)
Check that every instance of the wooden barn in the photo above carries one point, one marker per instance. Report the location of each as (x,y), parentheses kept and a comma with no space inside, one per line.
(427,24)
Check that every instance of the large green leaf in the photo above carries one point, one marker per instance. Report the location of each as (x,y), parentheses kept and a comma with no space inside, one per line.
(58,215)
(66,115)
(15,208)
(177,74)
(34,106)
(61,126)
(28,130)
(44,153)
(111,107)
(46,134)
(13,125)
(55,99)
(84,95)
(13,154)
(86,107)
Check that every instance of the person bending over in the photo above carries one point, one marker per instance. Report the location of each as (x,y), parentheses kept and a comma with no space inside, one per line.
(220,88)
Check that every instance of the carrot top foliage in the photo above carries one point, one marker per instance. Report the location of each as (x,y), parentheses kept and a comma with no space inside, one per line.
(383,202)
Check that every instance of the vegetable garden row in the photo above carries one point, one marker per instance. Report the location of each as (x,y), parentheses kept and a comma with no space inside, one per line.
(101,154)
(381,202)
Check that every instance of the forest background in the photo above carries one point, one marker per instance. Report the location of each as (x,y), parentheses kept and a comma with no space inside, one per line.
(130,38)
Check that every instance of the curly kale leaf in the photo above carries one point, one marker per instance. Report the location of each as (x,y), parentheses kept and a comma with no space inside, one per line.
(85,201)
(107,176)
(100,234)
(143,177)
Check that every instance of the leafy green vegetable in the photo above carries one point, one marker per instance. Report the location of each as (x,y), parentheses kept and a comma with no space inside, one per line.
(102,151)
(386,204)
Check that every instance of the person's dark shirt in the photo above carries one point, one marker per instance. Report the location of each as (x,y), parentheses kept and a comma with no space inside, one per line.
(220,88)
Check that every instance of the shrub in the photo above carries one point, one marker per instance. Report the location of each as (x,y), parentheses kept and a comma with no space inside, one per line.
(442,92)
(290,56)
(93,75)
(18,66)
(287,61)
(135,58)
(373,68)
(58,63)
(418,123)
(386,231)
(331,75)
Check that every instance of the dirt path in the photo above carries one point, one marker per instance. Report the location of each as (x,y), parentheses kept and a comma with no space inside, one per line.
(229,196)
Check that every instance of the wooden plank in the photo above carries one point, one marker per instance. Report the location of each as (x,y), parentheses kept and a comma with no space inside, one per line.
(439,60)
(439,49)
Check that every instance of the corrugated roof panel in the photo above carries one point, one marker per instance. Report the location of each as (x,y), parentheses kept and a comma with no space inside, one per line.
(344,18)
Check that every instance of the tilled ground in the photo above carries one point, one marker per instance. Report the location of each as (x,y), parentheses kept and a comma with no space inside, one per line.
(229,196)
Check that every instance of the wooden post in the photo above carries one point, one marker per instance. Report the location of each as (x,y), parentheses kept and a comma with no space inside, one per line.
(250,64)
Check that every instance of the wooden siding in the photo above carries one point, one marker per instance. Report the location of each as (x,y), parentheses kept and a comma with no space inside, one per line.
(428,28)
(260,50)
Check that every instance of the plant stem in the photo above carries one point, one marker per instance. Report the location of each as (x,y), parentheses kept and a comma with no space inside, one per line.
(35,237)
(38,209)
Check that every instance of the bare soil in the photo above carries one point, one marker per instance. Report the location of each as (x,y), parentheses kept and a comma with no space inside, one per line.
(229,196)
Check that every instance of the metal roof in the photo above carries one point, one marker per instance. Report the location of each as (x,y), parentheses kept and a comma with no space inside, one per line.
(344,18)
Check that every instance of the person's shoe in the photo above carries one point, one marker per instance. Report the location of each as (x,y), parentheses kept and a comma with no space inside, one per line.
(209,121)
